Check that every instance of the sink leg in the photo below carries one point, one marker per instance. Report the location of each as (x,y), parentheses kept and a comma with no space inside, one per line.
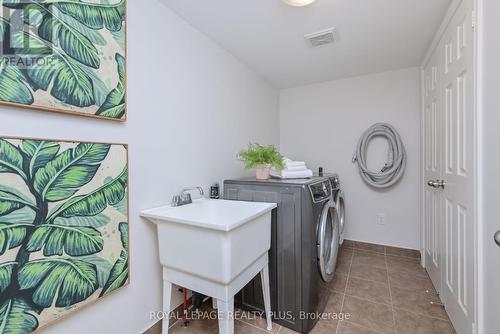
(264,276)
(226,316)
(167,296)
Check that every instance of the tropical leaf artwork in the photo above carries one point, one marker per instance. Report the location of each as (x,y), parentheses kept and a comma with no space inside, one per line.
(64,55)
(64,234)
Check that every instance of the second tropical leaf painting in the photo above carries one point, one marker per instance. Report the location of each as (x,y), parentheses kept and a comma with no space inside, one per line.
(63,228)
(66,56)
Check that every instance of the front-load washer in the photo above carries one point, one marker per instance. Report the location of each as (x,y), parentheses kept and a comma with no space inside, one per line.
(304,247)
(340,205)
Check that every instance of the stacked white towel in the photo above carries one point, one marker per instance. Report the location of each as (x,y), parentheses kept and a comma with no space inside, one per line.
(293,170)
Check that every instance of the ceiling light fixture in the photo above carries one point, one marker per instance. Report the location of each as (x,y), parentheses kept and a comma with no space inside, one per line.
(298,3)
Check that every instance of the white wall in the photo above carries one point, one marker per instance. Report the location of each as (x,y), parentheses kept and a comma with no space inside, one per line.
(192,106)
(322,123)
(489,165)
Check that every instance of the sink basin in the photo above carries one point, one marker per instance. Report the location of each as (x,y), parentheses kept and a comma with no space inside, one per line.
(212,239)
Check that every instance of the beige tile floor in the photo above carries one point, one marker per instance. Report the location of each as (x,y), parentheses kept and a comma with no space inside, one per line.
(383,289)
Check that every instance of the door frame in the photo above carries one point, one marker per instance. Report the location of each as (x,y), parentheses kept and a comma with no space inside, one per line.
(481,225)
(477,5)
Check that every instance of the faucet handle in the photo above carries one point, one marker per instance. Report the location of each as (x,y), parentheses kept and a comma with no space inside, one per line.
(176,200)
(186,198)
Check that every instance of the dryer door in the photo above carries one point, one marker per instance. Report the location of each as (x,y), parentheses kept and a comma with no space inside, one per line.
(328,241)
(339,202)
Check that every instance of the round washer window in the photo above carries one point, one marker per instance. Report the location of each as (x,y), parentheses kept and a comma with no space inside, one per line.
(328,242)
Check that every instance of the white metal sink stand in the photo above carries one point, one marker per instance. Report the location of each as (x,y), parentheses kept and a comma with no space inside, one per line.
(228,246)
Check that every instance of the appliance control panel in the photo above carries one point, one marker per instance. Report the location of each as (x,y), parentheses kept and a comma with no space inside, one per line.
(334,179)
(320,191)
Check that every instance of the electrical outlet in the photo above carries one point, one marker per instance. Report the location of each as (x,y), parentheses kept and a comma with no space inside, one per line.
(381,219)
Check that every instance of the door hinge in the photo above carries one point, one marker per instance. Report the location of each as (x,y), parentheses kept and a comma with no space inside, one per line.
(474,19)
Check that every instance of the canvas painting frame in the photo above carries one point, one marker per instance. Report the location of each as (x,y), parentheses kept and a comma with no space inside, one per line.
(65,62)
(64,227)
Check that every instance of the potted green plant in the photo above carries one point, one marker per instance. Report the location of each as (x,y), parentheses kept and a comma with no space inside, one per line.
(262,158)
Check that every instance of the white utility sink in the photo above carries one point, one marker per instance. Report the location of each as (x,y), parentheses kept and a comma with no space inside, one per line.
(214,247)
(214,239)
(218,214)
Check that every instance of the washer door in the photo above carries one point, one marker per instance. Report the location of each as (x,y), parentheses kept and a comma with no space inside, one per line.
(340,210)
(328,241)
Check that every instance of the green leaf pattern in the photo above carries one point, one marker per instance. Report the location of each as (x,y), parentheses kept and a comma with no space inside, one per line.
(69,81)
(95,16)
(65,174)
(14,87)
(10,202)
(119,273)
(95,202)
(39,152)
(71,33)
(55,30)
(68,281)
(114,106)
(11,160)
(6,274)
(17,316)
(74,240)
(60,230)
(11,235)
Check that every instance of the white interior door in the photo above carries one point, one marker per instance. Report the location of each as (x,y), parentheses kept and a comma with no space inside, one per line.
(459,173)
(433,120)
(449,132)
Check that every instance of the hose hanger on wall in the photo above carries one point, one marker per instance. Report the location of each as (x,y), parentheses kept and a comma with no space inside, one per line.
(395,166)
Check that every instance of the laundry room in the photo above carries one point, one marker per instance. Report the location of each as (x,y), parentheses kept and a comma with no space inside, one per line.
(265,166)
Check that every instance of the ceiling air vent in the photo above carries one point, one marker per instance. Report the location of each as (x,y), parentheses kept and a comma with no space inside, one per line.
(321,37)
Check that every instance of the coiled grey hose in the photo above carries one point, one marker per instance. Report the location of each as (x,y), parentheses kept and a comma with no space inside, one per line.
(395,166)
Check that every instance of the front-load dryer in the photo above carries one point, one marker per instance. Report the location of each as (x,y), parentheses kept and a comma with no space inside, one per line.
(338,198)
(304,247)
(327,230)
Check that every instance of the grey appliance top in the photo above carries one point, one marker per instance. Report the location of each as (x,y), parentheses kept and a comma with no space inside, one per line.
(275,181)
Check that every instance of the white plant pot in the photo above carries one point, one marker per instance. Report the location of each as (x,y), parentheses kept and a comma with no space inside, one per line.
(262,172)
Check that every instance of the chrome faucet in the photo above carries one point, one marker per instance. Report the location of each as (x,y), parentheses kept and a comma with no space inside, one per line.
(185,197)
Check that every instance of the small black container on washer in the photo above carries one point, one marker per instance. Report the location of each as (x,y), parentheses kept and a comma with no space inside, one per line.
(214,191)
